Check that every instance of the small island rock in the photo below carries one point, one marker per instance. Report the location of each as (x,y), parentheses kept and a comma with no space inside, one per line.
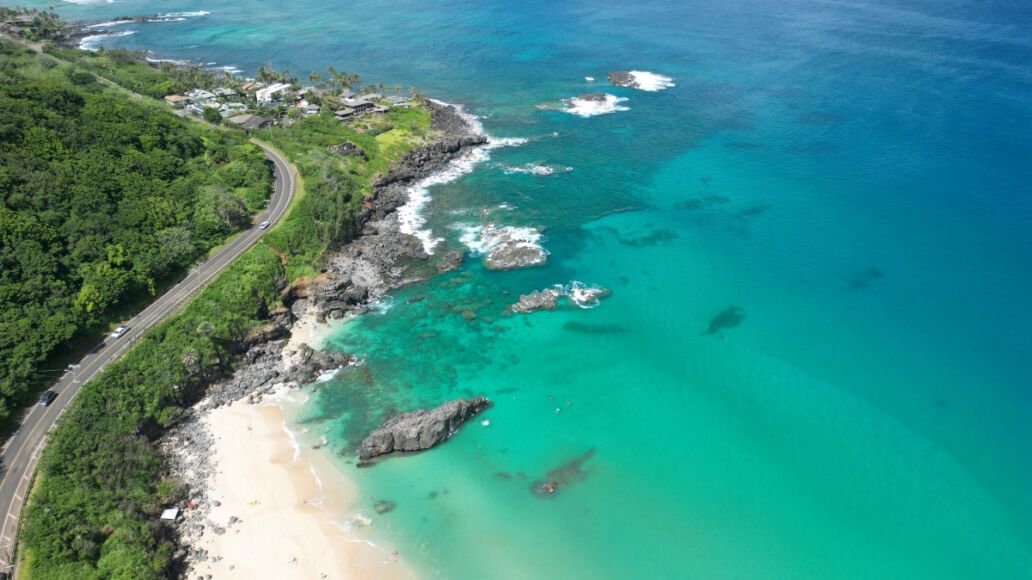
(422,429)
(538,300)
(623,79)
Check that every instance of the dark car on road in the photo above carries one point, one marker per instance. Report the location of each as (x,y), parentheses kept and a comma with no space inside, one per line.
(47,398)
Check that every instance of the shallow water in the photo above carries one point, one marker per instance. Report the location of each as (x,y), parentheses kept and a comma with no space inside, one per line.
(853,175)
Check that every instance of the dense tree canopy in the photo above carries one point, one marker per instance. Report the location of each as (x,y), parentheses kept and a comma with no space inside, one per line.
(101,198)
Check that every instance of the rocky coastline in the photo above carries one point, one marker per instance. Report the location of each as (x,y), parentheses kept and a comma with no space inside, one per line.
(358,273)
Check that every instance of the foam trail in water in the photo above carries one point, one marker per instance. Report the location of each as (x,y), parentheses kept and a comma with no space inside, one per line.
(92,42)
(482,239)
(108,24)
(170,60)
(410,215)
(602,104)
(651,82)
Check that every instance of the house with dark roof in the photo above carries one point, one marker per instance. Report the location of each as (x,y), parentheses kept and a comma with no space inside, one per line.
(250,122)
(359,105)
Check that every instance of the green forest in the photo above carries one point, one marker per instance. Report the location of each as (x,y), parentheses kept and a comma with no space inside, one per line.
(103,200)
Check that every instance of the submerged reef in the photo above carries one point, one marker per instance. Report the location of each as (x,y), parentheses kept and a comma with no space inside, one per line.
(570,472)
(727,319)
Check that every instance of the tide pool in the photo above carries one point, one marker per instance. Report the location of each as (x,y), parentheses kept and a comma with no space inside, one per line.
(853,175)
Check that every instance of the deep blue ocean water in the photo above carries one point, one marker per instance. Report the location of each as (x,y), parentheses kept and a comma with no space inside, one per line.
(855,176)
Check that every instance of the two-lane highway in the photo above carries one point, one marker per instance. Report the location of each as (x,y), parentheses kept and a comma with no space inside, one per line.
(22,450)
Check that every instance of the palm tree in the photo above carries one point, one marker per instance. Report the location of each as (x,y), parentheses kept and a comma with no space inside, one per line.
(266,74)
(191,360)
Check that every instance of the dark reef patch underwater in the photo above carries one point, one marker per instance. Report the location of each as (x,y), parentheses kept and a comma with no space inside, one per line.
(726,320)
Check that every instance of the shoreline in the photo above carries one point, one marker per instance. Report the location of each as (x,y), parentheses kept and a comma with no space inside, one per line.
(283,512)
(233,446)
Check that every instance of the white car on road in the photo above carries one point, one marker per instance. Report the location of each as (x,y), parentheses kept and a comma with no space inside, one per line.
(119,332)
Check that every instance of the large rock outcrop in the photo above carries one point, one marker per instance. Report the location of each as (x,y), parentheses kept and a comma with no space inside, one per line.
(422,429)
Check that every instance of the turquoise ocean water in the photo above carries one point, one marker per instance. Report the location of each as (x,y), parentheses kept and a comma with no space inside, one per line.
(854,175)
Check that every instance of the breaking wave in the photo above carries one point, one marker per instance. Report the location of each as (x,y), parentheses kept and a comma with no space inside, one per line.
(583,295)
(93,41)
(651,82)
(410,215)
(593,105)
(108,24)
(482,239)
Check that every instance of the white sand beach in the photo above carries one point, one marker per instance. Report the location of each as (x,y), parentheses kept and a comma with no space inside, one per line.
(289,506)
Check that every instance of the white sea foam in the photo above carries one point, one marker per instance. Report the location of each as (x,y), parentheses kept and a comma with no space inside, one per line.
(89,1)
(590,79)
(583,295)
(589,107)
(327,376)
(285,393)
(108,24)
(294,444)
(579,293)
(651,82)
(382,305)
(177,16)
(171,60)
(491,240)
(355,521)
(228,69)
(318,480)
(184,14)
(92,42)
(410,215)
(530,168)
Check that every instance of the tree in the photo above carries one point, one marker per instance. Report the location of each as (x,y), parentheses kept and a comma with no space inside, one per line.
(212,115)
(266,74)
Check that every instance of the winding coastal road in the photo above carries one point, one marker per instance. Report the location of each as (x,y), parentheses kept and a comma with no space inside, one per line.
(22,450)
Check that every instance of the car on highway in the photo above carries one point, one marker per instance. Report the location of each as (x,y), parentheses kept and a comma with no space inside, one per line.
(263,225)
(47,398)
(119,332)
